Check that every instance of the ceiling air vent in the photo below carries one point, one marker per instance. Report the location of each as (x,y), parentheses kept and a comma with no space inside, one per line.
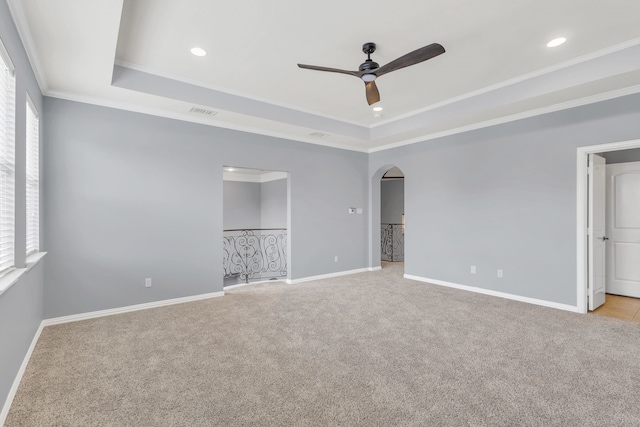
(203,111)
(319,134)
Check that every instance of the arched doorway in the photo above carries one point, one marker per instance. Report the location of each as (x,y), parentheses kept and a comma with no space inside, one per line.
(388,219)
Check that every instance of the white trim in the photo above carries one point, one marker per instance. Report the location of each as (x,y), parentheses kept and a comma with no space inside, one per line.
(185,117)
(4,55)
(329,276)
(16,382)
(272,176)
(343,146)
(581,230)
(519,116)
(581,212)
(519,79)
(247,177)
(310,278)
(522,78)
(199,83)
(22,25)
(505,295)
(240,285)
(127,309)
(13,276)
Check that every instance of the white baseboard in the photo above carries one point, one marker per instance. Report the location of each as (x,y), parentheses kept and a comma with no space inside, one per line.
(307,279)
(505,295)
(16,381)
(331,275)
(129,308)
(240,285)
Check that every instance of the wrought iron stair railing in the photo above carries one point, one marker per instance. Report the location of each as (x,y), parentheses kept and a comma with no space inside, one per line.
(391,242)
(254,253)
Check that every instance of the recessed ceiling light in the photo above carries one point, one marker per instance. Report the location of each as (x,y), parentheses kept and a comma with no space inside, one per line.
(198,51)
(229,169)
(556,42)
(378,108)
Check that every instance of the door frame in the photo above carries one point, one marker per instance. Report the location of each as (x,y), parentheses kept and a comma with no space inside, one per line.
(375,213)
(582,210)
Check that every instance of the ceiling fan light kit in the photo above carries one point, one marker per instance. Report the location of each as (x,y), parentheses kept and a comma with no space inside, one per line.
(369,70)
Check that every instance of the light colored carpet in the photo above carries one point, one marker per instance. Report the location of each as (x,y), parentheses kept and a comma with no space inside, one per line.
(370,349)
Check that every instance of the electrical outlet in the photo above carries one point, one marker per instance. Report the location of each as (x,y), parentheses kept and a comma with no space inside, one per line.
(147,282)
(335,259)
(473,269)
(500,274)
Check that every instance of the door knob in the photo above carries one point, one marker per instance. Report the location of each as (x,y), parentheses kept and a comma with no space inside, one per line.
(604,238)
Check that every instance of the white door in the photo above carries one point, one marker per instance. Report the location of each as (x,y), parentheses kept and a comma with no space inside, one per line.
(597,237)
(623,229)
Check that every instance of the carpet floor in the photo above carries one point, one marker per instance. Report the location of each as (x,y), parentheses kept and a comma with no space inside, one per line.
(370,349)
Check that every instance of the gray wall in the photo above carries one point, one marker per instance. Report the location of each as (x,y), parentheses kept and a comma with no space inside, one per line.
(20,305)
(391,201)
(241,204)
(255,205)
(274,204)
(131,196)
(622,156)
(20,317)
(502,197)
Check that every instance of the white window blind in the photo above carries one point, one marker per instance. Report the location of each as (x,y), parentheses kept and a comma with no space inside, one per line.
(33,179)
(7,161)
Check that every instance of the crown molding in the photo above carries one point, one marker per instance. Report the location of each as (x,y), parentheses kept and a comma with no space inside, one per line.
(22,25)
(506,119)
(228,91)
(426,137)
(120,105)
(548,70)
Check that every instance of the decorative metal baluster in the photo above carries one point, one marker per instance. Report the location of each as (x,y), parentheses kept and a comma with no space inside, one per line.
(386,242)
(254,253)
(391,242)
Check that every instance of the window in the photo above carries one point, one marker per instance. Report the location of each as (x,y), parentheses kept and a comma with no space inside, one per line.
(7,161)
(33,179)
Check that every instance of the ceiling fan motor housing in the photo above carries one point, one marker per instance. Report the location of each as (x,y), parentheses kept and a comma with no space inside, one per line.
(368,49)
(369,65)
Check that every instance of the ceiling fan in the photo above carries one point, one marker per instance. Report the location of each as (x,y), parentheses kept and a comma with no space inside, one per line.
(369,70)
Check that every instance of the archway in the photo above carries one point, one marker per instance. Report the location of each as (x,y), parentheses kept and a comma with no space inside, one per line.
(387,219)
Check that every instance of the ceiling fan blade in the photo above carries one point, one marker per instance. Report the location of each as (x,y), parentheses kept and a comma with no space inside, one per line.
(411,58)
(331,70)
(373,95)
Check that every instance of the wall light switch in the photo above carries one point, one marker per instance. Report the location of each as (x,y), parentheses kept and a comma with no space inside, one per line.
(359,211)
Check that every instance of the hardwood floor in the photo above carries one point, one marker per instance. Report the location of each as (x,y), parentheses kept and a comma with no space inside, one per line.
(625,308)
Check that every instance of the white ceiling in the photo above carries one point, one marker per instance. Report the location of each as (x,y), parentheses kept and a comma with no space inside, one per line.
(134,54)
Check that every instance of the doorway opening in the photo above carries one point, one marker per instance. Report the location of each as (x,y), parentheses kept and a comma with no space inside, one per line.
(255,226)
(608,231)
(392,221)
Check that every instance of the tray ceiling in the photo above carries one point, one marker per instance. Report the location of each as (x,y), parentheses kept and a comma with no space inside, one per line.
(135,54)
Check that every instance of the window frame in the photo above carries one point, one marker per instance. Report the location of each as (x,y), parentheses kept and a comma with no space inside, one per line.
(7,163)
(32,175)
